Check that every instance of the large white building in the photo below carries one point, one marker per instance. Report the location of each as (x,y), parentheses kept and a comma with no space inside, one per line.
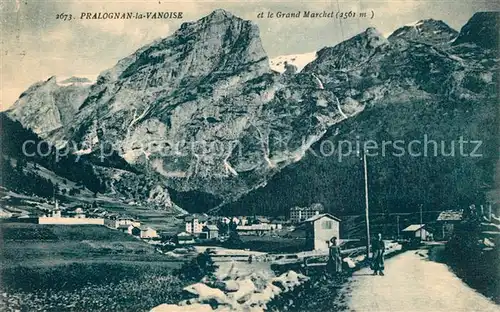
(299,214)
(195,223)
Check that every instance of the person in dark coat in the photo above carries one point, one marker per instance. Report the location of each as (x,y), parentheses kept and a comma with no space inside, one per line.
(378,248)
(334,257)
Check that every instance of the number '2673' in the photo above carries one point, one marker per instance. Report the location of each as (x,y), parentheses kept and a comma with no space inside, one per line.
(64,16)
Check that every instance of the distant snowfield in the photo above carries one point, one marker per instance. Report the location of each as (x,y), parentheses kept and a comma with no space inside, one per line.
(80,79)
(414,24)
(299,60)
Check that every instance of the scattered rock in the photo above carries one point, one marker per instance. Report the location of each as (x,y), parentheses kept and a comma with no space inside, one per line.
(261,298)
(187,308)
(248,293)
(246,287)
(231,286)
(350,262)
(488,243)
(288,281)
(259,280)
(207,294)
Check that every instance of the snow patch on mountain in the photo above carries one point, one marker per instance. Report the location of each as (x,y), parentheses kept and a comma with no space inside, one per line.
(299,60)
(48,108)
(73,80)
(415,24)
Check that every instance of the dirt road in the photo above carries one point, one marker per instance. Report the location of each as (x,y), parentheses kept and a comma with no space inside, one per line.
(414,283)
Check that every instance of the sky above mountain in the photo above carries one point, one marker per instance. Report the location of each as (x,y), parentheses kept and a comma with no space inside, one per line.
(35,45)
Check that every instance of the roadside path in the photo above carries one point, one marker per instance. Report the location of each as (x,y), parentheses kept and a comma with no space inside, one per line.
(412,283)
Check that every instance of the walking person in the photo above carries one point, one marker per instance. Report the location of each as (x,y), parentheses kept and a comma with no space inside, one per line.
(334,257)
(378,248)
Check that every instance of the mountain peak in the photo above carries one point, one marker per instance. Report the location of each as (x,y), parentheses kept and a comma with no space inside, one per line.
(220,13)
(429,31)
(375,37)
(47,106)
(372,31)
(217,40)
(217,16)
(348,53)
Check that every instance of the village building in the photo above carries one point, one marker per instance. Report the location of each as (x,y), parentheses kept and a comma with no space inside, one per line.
(280,222)
(114,221)
(184,238)
(262,220)
(277,224)
(447,220)
(76,213)
(300,214)
(241,220)
(56,212)
(79,212)
(126,220)
(125,228)
(254,229)
(68,221)
(238,220)
(223,219)
(144,232)
(210,231)
(194,223)
(98,212)
(55,217)
(416,231)
(320,229)
(111,221)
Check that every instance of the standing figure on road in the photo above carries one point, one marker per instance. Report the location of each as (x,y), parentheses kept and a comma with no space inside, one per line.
(334,257)
(378,248)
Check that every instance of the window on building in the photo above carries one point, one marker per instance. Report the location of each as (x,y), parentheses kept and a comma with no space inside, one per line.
(327,225)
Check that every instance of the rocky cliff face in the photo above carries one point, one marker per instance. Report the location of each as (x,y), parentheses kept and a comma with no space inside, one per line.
(481,30)
(203,109)
(48,107)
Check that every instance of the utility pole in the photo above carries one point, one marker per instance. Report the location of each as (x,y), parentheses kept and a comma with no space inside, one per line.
(367,216)
(397,222)
(421,227)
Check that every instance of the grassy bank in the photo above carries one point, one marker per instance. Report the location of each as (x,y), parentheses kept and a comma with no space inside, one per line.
(33,244)
(475,265)
(320,294)
(88,287)
(82,268)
